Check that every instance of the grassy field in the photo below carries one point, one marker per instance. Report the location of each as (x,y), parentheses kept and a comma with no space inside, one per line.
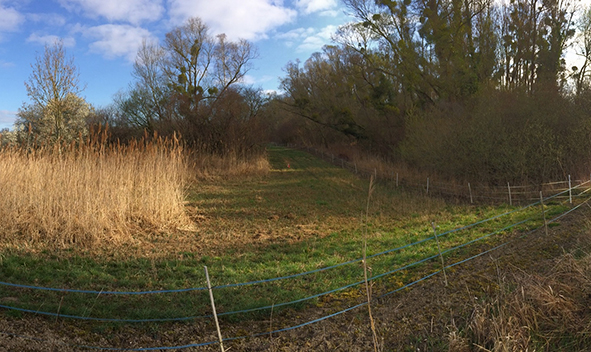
(303,215)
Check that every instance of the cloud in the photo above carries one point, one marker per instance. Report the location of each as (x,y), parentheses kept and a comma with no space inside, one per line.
(325,7)
(7,118)
(52,19)
(308,39)
(113,40)
(316,41)
(247,19)
(50,40)
(132,11)
(295,35)
(252,80)
(6,64)
(11,19)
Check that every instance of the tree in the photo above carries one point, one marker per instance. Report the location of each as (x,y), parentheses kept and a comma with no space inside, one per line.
(185,83)
(535,34)
(200,67)
(583,49)
(56,111)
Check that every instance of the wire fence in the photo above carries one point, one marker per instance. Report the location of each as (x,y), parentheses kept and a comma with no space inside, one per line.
(577,193)
(469,192)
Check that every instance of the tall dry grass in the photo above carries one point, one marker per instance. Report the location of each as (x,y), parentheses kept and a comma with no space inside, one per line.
(208,166)
(65,195)
(534,312)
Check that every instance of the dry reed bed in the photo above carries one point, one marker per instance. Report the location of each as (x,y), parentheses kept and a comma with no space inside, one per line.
(89,193)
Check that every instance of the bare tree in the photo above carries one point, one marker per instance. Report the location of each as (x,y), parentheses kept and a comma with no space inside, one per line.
(583,49)
(56,111)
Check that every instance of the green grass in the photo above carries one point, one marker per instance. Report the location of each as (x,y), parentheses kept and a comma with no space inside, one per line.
(296,219)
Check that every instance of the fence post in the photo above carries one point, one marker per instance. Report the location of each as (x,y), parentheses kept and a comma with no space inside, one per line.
(397,180)
(470,190)
(510,200)
(427,185)
(215,315)
(543,213)
(570,191)
(440,255)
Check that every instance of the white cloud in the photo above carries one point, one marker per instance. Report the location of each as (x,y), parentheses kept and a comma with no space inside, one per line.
(132,11)
(325,7)
(11,19)
(114,40)
(50,40)
(252,80)
(295,35)
(7,118)
(316,41)
(52,19)
(6,64)
(308,39)
(247,19)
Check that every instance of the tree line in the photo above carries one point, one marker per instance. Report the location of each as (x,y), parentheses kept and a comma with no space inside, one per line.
(191,85)
(469,89)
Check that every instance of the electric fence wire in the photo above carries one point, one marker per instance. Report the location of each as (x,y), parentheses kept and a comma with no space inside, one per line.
(309,297)
(65,290)
(324,317)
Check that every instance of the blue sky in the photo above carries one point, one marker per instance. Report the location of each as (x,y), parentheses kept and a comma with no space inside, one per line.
(103,37)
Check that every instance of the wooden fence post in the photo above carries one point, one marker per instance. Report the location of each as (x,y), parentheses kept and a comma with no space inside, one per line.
(440,255)
(570,191)
(543,213)
(215,315)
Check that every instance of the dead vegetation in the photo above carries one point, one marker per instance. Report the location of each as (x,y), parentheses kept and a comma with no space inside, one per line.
(532,311)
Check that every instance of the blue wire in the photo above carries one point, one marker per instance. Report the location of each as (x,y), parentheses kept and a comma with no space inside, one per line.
(111,320)
(298,300)
(277,278)
(318,319)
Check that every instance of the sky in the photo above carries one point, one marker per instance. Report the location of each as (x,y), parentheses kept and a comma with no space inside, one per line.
(103,37)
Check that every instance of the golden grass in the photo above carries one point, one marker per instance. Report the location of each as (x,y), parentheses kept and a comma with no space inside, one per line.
(536,312)
(207,166)
(80,195)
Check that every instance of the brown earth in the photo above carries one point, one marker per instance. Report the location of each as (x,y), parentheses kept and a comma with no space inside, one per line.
(425,317)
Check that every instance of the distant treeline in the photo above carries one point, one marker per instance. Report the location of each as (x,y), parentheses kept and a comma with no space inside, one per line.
(467,89)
